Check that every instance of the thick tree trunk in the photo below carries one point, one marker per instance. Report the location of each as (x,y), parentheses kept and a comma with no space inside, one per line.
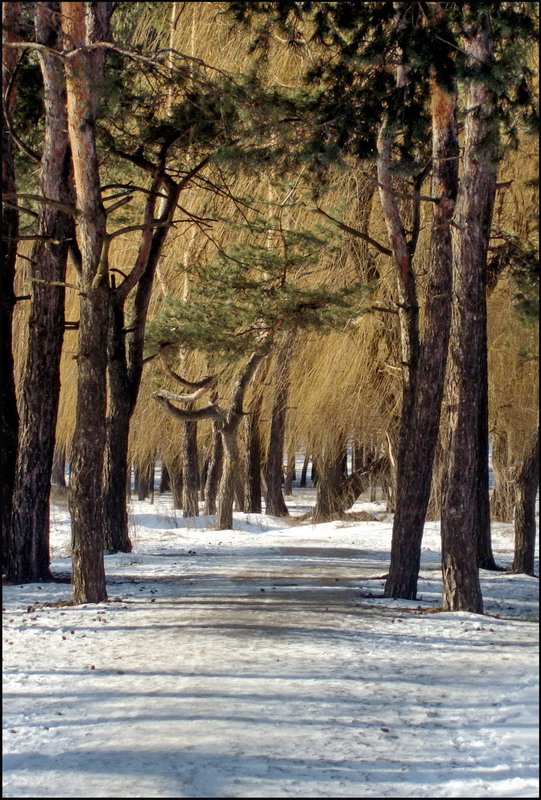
(329,500)
(526,492)
(420,424)
(190,470)
(466,371)
(84,24)
(9,421)
(41,384)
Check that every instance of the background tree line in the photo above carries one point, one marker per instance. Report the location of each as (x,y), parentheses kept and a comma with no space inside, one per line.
(326,213)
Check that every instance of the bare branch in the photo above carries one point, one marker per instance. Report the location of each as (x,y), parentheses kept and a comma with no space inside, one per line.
(208,412)
(42,199)
(354,232)
(204,383)
(184,398)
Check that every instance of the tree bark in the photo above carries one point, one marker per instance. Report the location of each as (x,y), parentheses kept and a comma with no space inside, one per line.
(274,500)
(214,469)
(466,371)
(420,424)
(252,491)
(41,384)
(526,492)
(84,24)
(190,470)
(9,421)
(329,501)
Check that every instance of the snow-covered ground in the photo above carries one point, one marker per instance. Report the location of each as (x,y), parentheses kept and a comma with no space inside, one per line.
(263,662)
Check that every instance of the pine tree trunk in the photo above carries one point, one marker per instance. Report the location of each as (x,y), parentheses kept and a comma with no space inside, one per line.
(115,468)
(252,495)
(485,555)
(175,473)
(226,493)
(215,469)
(82,25)
(420,422)
(190,471)
(274,500)
(466,370)
(9,421)
(526,492)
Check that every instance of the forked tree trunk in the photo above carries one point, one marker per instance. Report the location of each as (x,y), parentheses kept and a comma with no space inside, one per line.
(84,24)
(420,423)
(466,371)
(526,492)
(9,418)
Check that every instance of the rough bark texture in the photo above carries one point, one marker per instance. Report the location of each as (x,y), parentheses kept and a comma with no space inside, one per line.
(83,24)
(460,495)
(41,383)
(526,492)
(9,420)
(419,432)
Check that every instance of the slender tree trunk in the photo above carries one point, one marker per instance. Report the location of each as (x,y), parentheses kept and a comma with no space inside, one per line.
(9,421)
(214,470)
(58,474)
(165,480)
(466,371)
(304,470)
(190,470)
(115,468)
(420,425)
(84,24)
(274,499)
(226,495)
(526,492)
(290,474)
(252,496)
(501,502)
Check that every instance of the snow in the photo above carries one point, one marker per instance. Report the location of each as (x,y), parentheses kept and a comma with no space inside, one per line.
(263,662)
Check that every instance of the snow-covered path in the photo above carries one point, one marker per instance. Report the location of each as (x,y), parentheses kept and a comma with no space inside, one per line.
(259,663)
